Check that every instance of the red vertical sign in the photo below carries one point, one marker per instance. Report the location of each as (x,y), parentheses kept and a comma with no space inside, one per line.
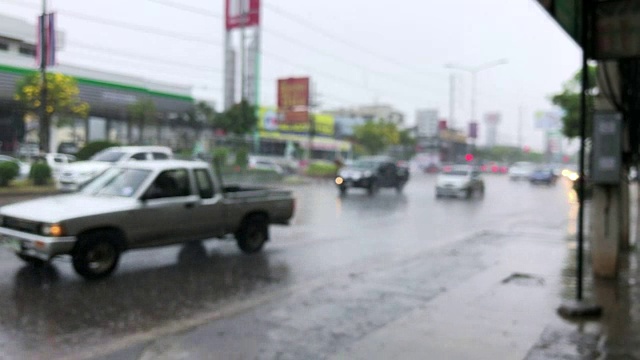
(242,13)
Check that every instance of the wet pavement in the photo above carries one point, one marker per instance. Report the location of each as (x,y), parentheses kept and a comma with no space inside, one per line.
(347,269)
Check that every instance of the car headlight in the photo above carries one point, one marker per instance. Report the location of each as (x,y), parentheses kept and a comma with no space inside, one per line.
(339,180)
(51,230)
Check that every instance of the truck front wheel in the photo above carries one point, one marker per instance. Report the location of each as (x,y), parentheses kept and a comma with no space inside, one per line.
(253,233)
(96,255)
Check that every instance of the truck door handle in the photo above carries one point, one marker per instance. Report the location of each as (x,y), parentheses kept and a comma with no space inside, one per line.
(190,205)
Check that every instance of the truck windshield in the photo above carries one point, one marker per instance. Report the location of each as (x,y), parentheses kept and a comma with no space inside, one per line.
(117,182)
(364,164)
(108,156)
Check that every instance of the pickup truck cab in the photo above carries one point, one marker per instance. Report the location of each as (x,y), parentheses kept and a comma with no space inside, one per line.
(140,205)
(73,176)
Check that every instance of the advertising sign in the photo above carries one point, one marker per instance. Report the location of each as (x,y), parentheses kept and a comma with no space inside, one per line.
(242,13)
(293,100)
(473,130)
(607,147)
(548,120)
(492,118)
(293,92)
(272,120)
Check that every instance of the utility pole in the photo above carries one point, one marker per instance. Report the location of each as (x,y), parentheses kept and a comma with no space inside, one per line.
(452,102)
(520,114)
(474,71)
(44,119)
(243,66)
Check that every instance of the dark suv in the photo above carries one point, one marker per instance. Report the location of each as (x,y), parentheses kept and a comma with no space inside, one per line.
(372,173)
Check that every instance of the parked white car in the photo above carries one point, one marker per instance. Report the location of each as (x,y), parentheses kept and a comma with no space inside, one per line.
(56,162)
(265,164)
(74,175)
(521,170)
(24,167)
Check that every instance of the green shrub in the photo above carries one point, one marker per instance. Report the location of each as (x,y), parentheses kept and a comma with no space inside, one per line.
(220,155)
(94,147)
(40,173)
(322,169)
(242,158)
(8,171)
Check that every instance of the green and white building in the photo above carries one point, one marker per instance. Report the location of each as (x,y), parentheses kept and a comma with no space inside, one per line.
(108,95)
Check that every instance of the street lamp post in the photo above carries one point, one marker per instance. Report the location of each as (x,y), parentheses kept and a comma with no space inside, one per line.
(474,71)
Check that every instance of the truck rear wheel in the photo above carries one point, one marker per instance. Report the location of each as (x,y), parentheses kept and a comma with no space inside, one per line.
(372,189)
(96,255)
(253,233)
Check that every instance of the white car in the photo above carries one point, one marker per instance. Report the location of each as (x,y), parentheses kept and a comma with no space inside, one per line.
(74,175)
(24,167)
(265,164)
(56,162)
(521,170)
(459,181)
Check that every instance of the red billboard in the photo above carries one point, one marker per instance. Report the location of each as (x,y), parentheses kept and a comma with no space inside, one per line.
(242,13)
(293,99)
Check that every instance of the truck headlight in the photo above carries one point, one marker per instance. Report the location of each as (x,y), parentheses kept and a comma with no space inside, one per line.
(51,230)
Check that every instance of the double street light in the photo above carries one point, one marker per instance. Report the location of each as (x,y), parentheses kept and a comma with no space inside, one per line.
(474,71)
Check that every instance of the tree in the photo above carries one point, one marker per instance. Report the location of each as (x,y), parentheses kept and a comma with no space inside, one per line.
(377,136)
(240,119)
(62,104)
(141,112)
(203,113)
(569,101)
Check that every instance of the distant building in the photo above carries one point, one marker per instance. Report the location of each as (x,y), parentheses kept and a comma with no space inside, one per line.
(427,122)
(108,95)
(371,112)
(492,120)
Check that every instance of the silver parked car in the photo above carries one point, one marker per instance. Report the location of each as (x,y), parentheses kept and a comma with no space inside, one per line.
(459,181)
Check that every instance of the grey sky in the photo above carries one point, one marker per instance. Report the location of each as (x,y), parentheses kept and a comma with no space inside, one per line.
(413,41)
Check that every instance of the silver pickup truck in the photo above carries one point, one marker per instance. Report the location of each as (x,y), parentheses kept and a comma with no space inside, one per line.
(140,205)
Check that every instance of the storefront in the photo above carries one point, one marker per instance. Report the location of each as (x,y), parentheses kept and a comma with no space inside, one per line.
(277,138)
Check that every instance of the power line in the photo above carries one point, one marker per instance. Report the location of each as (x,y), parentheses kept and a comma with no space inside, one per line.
(205,12)
(118,52)
(140,28)
(21,3)
(161,32)
(192,9)
(339,39)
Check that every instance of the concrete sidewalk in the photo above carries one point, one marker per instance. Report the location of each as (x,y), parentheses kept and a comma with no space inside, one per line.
(498,301)
(515,318)
(500,313)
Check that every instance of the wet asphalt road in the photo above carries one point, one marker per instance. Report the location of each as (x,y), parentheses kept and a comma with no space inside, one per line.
(51,312)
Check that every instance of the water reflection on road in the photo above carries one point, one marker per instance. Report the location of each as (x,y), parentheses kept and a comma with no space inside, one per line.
(48,311)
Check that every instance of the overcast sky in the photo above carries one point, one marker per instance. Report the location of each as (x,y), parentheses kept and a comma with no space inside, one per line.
(388,51)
